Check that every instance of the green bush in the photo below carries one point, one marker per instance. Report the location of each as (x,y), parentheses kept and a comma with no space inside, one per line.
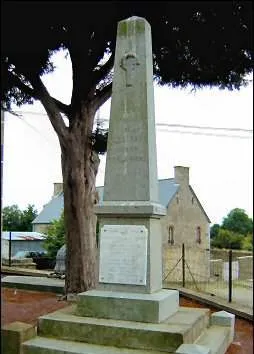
(247,243)
(55,237)
(227,239)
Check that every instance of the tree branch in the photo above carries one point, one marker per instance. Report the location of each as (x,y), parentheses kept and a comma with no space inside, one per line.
(102,96)
(105,69)
(24,88)
(31,92)
(51,106)
(64,108)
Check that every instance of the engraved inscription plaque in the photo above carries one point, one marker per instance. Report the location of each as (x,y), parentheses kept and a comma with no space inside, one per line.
(123,254)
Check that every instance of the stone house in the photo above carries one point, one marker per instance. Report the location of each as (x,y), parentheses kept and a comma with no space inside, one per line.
(185,222)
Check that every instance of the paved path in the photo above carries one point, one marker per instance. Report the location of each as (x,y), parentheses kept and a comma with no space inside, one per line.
(57,286)
(33,283)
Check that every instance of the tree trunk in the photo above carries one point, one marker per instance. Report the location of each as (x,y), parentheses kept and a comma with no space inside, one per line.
(79,167)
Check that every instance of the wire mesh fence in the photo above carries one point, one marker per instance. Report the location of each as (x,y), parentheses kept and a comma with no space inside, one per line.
(229,278)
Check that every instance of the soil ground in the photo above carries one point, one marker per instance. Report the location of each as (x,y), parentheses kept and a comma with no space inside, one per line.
(26,306)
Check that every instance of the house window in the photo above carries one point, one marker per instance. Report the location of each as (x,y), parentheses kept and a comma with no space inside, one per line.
(171,235)
(198,234)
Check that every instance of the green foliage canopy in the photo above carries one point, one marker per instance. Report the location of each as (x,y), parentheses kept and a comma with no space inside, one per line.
(227,239)
(214,230)
(15,219)
(194,42)
(236,231)
(238,221)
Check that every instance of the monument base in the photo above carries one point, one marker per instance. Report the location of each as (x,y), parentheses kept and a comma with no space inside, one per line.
(155,307)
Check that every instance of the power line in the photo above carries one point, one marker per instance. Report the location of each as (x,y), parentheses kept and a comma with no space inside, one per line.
(35,129)
(179,126)
(208,134)
(204,127)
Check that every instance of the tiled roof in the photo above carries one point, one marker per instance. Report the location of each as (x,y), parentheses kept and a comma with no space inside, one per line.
(167,190)
(52,210)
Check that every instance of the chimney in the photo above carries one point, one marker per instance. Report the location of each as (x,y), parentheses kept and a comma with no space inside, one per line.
(182,175)
(58,188)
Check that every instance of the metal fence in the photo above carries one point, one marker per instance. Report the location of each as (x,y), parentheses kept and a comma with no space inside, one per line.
(230,279)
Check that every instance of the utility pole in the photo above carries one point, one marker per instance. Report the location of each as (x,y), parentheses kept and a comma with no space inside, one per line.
(2,165)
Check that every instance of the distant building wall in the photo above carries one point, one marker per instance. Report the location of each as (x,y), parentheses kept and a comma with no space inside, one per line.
(4,248)
(185,216)
(186,223)
(197,265)
(42,228)
(245,267)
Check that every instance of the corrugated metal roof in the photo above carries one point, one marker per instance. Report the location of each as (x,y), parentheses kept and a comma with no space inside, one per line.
(23,236)
(52,210)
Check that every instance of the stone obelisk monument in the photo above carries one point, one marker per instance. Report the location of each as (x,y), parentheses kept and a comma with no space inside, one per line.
(130,268)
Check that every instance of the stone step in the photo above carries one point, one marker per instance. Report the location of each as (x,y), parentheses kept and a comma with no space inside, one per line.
(185,326)
(216,338)
(42,345)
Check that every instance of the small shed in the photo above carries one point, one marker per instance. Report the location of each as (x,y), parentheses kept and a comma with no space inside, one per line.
(21,241)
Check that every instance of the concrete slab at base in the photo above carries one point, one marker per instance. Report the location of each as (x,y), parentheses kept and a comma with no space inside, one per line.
(154,308)
(224,318)
(42,345)
(13,335)
(193,349)
(183,327)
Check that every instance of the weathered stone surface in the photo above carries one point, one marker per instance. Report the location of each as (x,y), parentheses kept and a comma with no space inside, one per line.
(165,336)
(60,260)
(154,308)
(131,185)
(224,318)
(42,345)
(193,349)
(13,335)
(131,167)
(215,338)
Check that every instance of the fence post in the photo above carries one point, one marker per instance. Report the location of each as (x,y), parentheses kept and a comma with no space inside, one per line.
(183,264)
(230,276)
(10,249)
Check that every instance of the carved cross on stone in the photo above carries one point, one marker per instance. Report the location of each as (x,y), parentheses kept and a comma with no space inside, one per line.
(129,63)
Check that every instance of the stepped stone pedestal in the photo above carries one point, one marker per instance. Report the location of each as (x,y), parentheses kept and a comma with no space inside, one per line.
(153,308)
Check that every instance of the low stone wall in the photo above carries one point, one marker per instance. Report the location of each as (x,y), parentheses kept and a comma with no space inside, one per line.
(216,267)
(197,265)
(245,267)
(20,263)
(217,253)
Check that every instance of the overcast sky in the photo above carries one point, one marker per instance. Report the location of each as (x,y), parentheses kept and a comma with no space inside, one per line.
(220,161)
